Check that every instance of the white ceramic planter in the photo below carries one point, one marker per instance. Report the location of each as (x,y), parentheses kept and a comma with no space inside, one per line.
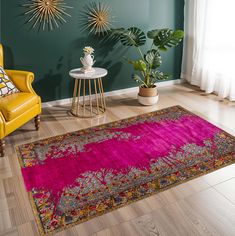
(148,96)
(148,101)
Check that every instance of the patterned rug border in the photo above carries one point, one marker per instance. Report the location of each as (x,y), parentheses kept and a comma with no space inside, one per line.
(34,207)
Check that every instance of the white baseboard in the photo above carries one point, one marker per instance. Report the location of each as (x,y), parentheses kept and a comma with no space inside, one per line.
(112,93)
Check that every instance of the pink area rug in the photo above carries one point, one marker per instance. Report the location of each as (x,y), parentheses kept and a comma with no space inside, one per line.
(74,177)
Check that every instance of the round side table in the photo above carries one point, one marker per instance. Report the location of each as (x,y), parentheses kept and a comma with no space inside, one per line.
(92,102)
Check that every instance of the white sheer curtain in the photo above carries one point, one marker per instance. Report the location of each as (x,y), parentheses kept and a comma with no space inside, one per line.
(209,48)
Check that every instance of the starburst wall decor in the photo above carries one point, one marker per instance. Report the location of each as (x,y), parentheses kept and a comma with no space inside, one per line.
(46,13)
(96,17)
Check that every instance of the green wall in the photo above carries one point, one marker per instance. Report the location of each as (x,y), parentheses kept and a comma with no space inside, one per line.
(50,55)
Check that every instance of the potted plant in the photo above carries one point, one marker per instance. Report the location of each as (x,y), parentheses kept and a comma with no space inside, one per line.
(149,62)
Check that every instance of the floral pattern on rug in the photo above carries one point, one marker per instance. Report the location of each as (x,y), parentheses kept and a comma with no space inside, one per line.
(74,177)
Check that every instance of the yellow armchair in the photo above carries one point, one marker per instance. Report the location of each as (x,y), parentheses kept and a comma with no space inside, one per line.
(18,108)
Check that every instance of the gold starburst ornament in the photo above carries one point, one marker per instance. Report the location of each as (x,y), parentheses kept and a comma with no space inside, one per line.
(46,13)
(96,17)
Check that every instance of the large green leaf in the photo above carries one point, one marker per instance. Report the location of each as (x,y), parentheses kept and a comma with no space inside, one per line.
(133,37)
(153,33)
(130,37)
(166,38)
(137,79)
(139,65)
(116,32)
(153,58)
(160,75)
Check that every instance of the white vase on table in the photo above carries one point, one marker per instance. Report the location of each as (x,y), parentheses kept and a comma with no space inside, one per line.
(87,62)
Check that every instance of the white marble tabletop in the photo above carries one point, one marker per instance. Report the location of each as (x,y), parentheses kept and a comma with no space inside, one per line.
(97,73)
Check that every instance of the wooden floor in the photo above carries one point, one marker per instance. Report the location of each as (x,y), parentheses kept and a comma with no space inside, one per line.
(203,206)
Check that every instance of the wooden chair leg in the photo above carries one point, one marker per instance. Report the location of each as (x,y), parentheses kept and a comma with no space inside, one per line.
(2,147)
(37,122)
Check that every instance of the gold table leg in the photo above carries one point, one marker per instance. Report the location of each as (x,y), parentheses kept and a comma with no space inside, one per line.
(78,96)
(86,109)
(96,97)
(74,94)
(102,93)
(84,94)
(90,95)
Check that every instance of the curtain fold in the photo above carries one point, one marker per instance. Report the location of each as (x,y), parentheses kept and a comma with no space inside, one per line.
(209,48)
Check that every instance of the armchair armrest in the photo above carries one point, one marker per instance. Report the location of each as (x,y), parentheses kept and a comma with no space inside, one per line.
(22,80)
(2,127)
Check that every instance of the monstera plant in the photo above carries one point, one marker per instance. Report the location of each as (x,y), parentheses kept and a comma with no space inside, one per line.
(149,62)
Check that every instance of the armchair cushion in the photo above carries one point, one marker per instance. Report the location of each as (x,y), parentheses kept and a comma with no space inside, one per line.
(16,104)
(6,85)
